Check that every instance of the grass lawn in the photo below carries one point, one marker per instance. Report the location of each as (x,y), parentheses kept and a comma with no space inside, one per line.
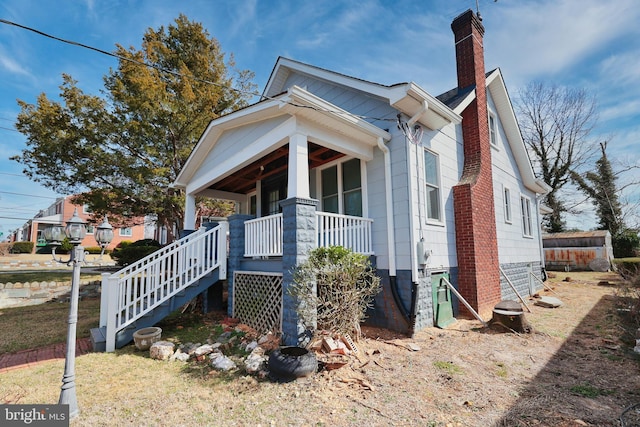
(40,325)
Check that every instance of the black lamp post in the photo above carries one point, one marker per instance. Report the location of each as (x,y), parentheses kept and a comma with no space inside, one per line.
(75,231)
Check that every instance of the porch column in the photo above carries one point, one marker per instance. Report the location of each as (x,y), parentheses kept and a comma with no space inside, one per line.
(299,238)
(189,212)
(298,184)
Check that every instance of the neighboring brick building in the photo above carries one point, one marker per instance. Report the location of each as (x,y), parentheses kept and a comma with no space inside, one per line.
(58,213)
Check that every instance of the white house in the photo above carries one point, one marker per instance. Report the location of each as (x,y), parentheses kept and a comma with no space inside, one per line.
(437,190)
(430,187)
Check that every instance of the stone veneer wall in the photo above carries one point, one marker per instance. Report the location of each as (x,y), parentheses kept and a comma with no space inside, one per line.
(518,274)
(33,293)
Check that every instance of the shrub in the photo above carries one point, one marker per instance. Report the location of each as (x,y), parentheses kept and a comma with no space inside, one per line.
(22,247)
(334,288)
(127,253)
(96,250)
(5,248)
(625,244)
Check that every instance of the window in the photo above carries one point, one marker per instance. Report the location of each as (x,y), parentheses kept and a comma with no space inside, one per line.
(86,209)
(330,189)
(432,180)
(90,228)
(507,205)
(525,205)
(492,130)
(342,188)
(126,231)
(352,188)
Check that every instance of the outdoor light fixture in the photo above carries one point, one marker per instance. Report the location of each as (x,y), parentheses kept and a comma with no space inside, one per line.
(75,231)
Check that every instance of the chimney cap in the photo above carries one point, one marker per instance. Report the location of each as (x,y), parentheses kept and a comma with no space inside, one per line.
(463,20)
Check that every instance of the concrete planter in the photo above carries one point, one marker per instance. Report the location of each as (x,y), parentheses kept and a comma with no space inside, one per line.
(145,337)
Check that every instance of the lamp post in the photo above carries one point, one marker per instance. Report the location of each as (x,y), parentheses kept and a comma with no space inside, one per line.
(75,231)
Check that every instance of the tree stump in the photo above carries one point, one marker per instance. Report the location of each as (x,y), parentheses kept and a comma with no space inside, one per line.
(508,316)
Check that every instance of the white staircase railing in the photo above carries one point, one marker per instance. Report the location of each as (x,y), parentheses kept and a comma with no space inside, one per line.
(137,289)
(351,232)
(263,236)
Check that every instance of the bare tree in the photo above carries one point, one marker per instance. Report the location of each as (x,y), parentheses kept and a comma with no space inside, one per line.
(555,123)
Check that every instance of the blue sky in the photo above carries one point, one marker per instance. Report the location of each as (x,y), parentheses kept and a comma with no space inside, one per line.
(590,44)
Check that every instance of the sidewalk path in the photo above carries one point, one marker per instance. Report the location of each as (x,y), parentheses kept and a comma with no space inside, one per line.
(30,358)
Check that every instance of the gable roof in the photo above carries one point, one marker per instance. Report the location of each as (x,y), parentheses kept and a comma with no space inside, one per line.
(408,98)
(458,100)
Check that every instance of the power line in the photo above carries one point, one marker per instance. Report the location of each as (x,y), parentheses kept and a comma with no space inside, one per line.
(13,130)
(28,195)
(177,74)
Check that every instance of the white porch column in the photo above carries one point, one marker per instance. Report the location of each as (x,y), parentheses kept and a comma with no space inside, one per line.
(298,166)
(190,212)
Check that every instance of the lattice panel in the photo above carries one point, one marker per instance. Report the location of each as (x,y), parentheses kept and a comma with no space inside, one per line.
(257,300)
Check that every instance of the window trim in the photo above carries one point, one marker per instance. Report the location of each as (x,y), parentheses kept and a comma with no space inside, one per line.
(493,130)
(438,186)
(525,211)
(121,234)
(341,192)
(506,205)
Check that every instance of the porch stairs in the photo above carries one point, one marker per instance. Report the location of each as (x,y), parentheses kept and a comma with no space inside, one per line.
(142,294)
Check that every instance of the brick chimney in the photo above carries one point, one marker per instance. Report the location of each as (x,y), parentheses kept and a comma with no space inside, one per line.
(476,241)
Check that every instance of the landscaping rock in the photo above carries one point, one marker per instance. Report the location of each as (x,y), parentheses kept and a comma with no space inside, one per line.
(256,361)
(251,346)
(180,356)
(222,362)
(161,350)
(203,350)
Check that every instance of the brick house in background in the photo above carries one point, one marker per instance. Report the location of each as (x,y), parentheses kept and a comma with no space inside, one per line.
(59,212)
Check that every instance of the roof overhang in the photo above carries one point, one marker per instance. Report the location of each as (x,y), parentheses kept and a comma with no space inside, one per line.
(423,107)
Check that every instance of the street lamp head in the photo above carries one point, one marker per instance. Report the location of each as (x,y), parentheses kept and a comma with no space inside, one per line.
(104,233)
(75,229)
(54,235)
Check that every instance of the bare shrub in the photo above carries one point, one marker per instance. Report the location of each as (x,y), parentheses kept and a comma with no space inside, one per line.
(5,248)
(334,288)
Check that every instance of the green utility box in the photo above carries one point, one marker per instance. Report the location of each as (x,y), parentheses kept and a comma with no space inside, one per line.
(442,308)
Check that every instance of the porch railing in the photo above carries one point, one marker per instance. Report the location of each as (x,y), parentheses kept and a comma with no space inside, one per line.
(263,236)
(351,232)
(130,293)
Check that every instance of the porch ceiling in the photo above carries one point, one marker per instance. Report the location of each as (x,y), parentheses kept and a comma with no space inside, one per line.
(244,180)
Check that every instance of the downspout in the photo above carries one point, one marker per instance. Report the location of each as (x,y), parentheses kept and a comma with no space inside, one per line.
(540,242)
(409,317)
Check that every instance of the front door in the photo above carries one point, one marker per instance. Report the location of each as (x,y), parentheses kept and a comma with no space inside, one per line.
(274,189)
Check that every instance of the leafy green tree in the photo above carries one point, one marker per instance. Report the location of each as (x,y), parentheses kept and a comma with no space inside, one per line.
(121,153)
(555,123)
(600,186)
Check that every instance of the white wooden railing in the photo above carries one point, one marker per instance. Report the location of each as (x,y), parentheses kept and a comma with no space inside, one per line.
(137,289)
(351,232)
(263,236)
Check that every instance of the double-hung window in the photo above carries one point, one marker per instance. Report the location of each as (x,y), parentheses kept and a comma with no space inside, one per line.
(493,138)
(342,188)
(525,206)
(432,182)
(507,205)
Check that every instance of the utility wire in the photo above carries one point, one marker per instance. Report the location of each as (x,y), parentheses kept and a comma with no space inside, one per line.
(28,195)
(177,74)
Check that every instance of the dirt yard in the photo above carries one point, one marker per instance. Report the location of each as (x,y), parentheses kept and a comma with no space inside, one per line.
(577,369)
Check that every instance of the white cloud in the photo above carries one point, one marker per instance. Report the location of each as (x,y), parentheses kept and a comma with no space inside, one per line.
(547,37)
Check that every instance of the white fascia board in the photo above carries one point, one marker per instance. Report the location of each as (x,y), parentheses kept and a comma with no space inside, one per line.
(215,128)
(285,66)
(51,219)
(465,102)
(498,90)
(321,107)
(266,143)
(336,141)
(410,98)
